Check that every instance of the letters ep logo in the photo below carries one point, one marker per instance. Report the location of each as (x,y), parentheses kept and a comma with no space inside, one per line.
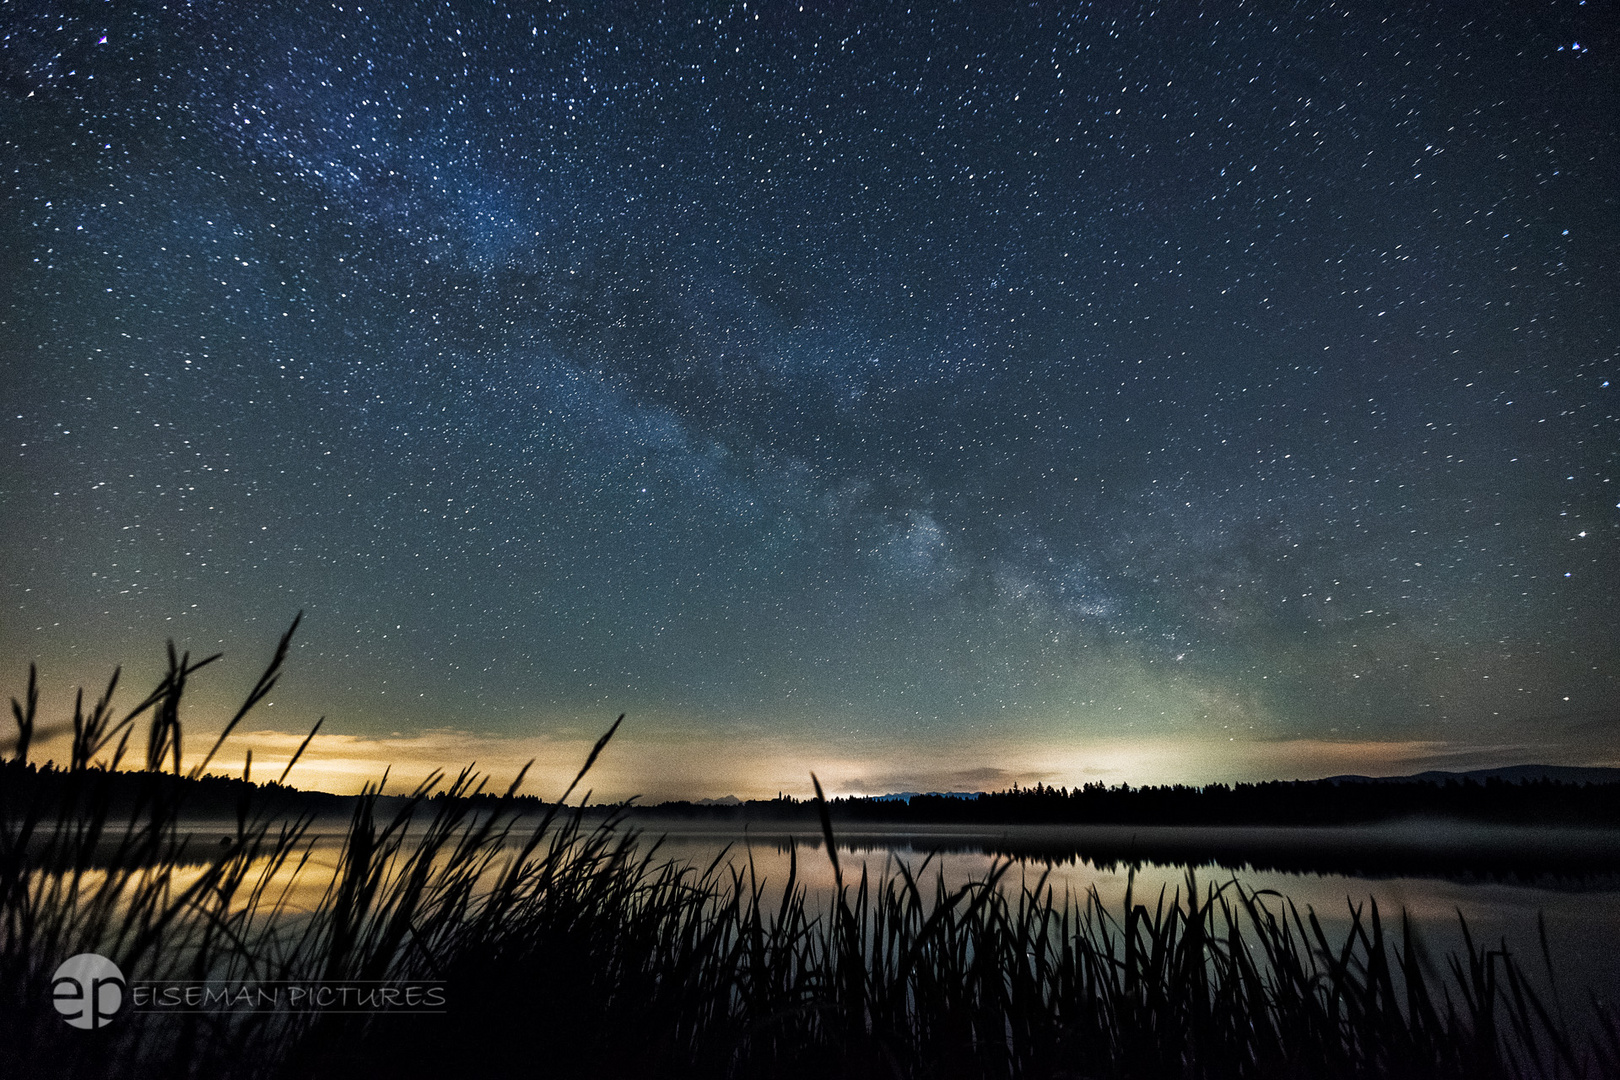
(88,990)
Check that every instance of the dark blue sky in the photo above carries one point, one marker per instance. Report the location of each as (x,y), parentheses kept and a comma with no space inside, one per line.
(953,394)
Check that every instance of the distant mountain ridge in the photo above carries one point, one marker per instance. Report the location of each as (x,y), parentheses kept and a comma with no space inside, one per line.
(907,796)
(1513,774)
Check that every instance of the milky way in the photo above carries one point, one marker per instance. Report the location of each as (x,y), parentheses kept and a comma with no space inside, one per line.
(828,377)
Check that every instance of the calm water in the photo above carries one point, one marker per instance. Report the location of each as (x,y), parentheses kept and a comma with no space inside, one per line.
(1581,909)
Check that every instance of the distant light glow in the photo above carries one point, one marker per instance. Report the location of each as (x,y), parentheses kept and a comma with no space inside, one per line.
(1006,395)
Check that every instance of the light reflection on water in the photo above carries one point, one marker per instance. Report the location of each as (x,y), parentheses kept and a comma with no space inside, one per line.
(1582,913)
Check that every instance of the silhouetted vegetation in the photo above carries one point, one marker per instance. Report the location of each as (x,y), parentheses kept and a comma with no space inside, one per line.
(565,948)
(1571,860)
(1296,802)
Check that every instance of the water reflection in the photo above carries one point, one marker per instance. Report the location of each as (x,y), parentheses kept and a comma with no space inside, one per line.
(1500,880)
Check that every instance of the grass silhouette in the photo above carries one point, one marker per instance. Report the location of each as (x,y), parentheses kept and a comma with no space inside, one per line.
(564,946)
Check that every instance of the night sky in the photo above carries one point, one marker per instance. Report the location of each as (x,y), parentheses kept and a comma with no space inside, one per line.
(935,398)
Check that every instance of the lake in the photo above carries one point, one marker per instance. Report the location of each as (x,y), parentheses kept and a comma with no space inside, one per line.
(1517,876)
(1500,879)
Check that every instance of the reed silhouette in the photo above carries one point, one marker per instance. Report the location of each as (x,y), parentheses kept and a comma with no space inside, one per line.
(564,946)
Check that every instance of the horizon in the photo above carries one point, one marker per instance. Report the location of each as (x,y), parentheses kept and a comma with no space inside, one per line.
(924,399)
(343,765)
(229,765)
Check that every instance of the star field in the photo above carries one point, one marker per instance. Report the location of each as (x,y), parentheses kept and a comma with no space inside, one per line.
(826,376)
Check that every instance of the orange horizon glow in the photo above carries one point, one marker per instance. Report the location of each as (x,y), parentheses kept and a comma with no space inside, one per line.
(656,768)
